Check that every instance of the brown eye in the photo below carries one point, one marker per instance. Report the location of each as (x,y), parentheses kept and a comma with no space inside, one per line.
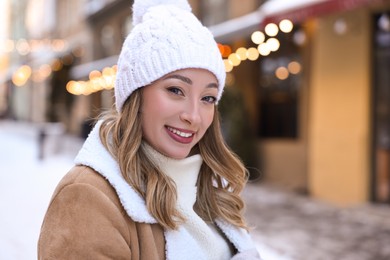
(175,90)
(210,99)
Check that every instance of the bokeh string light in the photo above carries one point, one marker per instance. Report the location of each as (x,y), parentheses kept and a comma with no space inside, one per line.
(26,46)
(40,72)
(266,43)
(98,80)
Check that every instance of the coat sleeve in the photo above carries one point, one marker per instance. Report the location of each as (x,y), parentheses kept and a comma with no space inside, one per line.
(83,223)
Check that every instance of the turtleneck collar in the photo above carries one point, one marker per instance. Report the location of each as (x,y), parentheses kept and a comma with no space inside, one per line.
(184,171)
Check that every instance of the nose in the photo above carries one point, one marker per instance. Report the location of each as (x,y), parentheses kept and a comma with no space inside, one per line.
(191,114)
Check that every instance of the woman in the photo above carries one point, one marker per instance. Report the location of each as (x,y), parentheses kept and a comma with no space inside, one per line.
(154,179)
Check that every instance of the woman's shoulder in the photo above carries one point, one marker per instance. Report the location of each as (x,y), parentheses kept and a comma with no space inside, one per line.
(84,217)
(84,176)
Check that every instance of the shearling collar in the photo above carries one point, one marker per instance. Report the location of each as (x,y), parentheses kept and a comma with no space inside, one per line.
(179,244)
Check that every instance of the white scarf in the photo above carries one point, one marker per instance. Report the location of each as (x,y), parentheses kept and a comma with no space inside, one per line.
(179,243)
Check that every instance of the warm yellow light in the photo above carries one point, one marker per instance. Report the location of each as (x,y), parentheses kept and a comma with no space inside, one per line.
(110,81)
(264,49)
(17,79)
(96,85)
(58,45)
(286,26)
(94,74)
(21,75)
(108,71)
(70,87)
(273,44)
(42,73)
(281,73)
(228,65)
(258,37)
(271,29)
(294,67)
(241,52)
(234,59)
(78,87)
(252,54)
(109,77)
(26,70)
(23,47)
(83,88)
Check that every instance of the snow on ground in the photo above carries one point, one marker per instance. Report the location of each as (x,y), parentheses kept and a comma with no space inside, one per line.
(26,186)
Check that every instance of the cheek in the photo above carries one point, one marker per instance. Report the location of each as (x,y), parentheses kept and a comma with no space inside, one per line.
(155,111)
(148,117)
(208,119)
(150,106)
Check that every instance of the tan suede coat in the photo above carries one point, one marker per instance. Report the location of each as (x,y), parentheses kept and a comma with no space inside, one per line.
(95,214)
(83,210)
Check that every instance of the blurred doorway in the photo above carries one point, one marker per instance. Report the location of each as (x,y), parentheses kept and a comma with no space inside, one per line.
(282,121)
(381,109)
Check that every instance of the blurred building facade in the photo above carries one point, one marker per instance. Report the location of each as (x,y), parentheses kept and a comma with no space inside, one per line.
(321,127)
(313,114)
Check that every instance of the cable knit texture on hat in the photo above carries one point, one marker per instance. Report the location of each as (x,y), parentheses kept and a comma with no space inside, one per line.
(166,37)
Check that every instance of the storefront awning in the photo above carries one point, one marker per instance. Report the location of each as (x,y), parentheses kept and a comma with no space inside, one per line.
(277,10)
(236,28)
(300,10)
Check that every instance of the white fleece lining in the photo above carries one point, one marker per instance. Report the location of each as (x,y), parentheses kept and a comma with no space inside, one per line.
(96,156)
(179,244)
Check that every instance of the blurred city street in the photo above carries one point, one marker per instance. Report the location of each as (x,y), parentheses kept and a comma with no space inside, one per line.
(285,226)
(298,103)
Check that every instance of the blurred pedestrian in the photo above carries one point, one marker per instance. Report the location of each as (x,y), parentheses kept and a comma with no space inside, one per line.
(154,179)
(41,142)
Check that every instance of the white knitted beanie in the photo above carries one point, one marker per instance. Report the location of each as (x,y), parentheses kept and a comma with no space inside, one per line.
(166,37)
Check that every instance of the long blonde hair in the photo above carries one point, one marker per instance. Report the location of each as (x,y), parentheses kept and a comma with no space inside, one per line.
(221,179)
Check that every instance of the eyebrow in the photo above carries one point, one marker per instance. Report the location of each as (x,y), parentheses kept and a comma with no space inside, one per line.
(188,80)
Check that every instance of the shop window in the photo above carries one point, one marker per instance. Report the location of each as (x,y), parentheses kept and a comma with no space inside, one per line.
(279,86)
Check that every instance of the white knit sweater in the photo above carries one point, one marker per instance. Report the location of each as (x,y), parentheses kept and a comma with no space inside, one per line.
(185,173)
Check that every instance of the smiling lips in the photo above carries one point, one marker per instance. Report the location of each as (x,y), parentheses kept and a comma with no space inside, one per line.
(180,136)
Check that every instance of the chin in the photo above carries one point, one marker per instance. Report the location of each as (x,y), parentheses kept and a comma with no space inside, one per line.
(177,155)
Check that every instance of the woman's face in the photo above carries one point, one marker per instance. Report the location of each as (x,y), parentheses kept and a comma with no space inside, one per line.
(177,110)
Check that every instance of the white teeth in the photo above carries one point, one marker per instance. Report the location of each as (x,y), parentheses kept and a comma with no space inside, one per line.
(175,131)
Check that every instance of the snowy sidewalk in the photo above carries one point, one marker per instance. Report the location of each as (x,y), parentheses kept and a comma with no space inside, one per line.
(300,228)
(26,186)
